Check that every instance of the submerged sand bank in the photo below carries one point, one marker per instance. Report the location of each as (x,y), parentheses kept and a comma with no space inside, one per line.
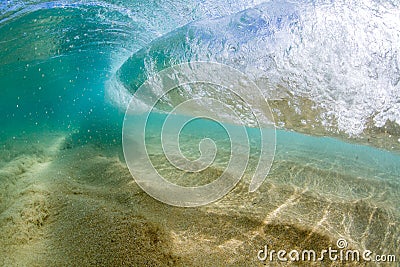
(68,204)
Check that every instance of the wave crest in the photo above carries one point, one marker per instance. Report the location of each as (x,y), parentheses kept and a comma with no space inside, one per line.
(340,59)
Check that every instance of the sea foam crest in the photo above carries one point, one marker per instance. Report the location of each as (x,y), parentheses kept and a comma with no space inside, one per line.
(342,57)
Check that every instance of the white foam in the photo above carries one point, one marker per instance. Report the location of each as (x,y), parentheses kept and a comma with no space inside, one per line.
(342,56)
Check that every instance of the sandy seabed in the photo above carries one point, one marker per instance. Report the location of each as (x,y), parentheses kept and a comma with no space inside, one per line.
(64,203)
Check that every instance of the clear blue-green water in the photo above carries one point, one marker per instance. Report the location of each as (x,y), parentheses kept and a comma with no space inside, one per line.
(330,72)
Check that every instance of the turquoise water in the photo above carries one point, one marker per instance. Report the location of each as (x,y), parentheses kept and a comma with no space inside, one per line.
(71,67)
(324,153)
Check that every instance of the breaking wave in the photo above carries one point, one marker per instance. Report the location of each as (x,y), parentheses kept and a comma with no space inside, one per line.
(336,65)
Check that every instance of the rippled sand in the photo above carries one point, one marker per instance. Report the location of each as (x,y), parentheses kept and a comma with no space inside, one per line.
(71,203)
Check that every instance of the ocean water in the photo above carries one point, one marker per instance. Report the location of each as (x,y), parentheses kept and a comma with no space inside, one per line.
(329,71)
